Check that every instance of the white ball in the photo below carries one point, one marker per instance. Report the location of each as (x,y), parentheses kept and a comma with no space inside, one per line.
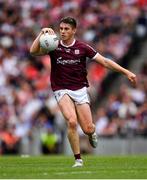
(49,42)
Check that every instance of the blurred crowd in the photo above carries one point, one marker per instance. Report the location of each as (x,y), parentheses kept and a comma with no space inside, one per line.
(27,105)
(125,113)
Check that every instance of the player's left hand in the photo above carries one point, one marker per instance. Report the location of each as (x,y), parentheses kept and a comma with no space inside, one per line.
(47,30)
(132,78)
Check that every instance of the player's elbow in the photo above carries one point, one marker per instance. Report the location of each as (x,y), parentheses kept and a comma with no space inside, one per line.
(32,52)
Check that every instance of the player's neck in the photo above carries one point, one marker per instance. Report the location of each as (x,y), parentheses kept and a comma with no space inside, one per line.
(68,43)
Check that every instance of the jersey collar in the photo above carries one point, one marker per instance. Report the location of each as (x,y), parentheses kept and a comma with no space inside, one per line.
(68,45)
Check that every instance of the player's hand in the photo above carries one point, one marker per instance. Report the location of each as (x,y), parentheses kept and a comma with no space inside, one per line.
(132,78)
(47,30)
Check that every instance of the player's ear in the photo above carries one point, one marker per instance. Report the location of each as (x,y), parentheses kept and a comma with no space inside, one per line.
(74,30)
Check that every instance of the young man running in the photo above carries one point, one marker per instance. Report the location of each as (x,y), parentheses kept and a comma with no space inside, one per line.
(69,81)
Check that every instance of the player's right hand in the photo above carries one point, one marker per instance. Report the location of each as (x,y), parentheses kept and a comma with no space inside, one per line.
(47,30)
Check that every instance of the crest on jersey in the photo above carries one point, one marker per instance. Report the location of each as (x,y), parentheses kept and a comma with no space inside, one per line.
(77,51)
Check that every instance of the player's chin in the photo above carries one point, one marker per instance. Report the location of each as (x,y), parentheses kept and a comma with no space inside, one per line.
(63,38)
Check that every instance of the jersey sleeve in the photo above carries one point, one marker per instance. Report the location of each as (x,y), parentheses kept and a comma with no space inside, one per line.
(90,52)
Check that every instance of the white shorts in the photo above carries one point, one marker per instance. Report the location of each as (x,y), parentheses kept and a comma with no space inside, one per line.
(79,96)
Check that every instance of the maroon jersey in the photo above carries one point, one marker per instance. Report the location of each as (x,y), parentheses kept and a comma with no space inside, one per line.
(68,65)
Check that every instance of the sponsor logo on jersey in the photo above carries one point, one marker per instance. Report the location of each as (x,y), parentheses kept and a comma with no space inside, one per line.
(67,61)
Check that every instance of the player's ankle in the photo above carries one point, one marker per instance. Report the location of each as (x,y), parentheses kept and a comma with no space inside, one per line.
(77,156)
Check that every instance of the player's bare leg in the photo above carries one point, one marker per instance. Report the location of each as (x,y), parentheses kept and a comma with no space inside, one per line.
(85,121)
(68,110)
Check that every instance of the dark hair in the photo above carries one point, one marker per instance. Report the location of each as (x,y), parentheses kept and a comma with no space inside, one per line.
(69,20)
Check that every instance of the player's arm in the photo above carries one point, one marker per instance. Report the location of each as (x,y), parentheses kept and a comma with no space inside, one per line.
(35,49)
(108,63)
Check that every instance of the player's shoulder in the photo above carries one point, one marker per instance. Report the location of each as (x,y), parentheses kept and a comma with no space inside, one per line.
(85,45)
(82,44)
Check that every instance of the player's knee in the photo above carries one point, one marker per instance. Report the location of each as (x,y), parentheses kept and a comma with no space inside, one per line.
(89,129)
(72,123)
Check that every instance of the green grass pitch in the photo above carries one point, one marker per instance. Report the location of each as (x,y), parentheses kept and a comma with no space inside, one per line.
(59,167)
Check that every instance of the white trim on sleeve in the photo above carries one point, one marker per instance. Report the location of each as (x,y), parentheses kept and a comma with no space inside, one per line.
(95,55)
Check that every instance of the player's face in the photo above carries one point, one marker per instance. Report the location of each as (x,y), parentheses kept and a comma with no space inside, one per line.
(67,32)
